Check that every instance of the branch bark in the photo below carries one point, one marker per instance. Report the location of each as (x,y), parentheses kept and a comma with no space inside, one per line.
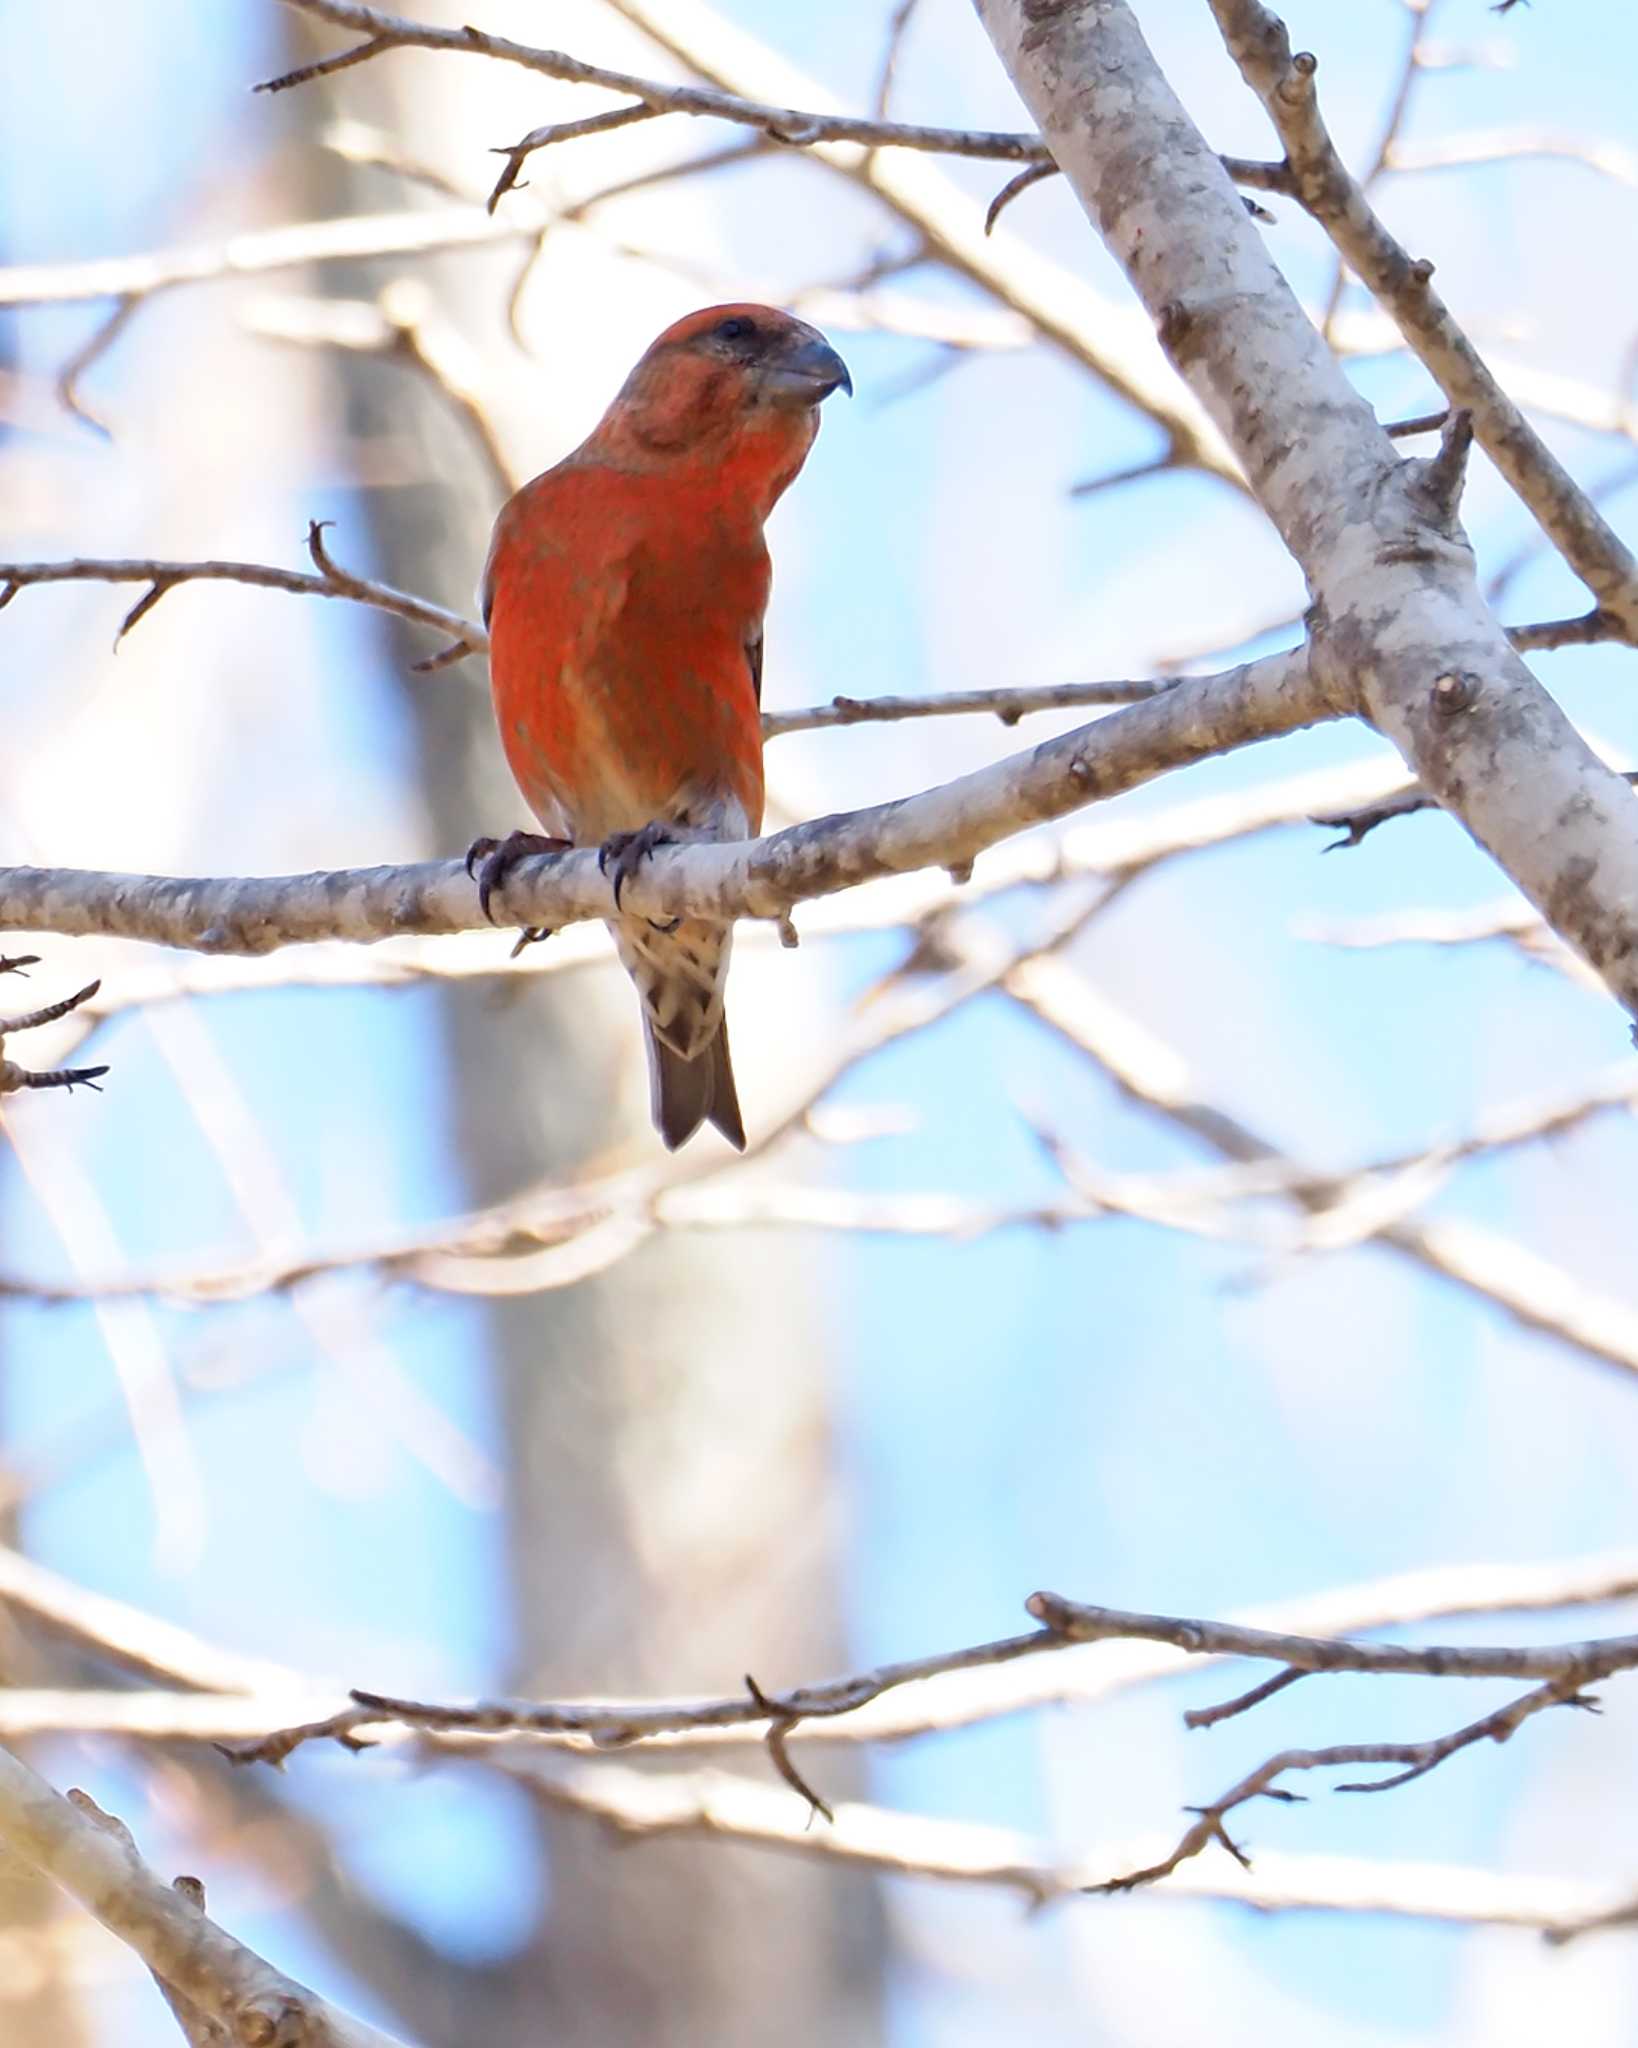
(945,827)
(1399,629)
(93,1858)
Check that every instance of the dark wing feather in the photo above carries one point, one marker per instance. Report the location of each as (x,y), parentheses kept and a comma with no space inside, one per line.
(753,654)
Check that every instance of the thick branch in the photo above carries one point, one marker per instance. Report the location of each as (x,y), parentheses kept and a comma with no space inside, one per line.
(71,1841)
(1398,621)
(944,827)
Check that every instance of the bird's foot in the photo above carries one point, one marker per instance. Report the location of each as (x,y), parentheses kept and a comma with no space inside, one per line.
(490,861)
(622,853)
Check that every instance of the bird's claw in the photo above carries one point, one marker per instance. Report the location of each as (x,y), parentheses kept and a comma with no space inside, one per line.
(625,852)
(490,861)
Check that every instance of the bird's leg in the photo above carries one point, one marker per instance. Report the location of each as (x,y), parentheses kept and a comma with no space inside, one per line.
(625,853)
(489,861)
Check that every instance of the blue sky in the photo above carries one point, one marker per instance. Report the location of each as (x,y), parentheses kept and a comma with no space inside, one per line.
(1114,1412)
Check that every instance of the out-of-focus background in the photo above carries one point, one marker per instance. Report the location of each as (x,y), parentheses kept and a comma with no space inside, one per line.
(853,1401)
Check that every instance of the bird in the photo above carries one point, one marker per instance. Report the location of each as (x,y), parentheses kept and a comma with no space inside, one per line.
(624,594)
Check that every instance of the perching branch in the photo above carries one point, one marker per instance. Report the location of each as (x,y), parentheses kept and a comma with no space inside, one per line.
(944,827)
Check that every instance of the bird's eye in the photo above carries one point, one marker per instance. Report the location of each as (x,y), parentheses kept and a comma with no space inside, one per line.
(735,328)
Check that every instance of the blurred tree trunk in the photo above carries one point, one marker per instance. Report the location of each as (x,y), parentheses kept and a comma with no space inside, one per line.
(669,1464)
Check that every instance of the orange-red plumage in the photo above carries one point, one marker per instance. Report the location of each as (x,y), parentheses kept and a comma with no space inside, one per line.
(624,594)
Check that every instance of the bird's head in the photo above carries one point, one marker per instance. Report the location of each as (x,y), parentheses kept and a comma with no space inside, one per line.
(721,373)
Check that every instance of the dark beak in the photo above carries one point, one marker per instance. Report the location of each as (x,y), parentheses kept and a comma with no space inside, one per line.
(809,373)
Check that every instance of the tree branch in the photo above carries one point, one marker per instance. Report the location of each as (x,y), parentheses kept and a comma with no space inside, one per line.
(944,827)
(640,1804)
(92,1857)
(1416,1759)
(782,123)
(1103,338)
(1398,624)
(1258,42)
(1499,1271)
(162,577)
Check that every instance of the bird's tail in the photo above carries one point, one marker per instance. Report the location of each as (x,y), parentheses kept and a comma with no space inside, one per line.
(680,975)
(683,1094)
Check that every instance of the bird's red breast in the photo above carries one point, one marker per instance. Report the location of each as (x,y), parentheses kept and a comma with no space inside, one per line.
(624,593)
(624,604)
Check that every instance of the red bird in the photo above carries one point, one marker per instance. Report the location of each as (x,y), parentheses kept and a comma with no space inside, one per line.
(624,595)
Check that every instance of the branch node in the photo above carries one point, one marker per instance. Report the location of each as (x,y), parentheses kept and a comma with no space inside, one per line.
(1455,691)
(446,657)
(143,606)
(325,67)
(1296,88)
(1438,482)
(780,1723)
(319,553)
(1032,175)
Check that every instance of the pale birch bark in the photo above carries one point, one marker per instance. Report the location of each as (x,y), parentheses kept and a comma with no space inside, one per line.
(1398,629)
(944,827)
(95,1861)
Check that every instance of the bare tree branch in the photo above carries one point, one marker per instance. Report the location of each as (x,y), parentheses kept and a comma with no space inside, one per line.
(1416,1758)
(639,1804)
(1510,146)
(1502,1272)
(74,1842)
(163,577)
(1103,338)
(1574,1664)
(231,1698)
(945,827)
(1285,84)
(783,123)
(1398,621)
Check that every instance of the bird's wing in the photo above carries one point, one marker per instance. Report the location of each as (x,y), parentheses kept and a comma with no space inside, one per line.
(753,654)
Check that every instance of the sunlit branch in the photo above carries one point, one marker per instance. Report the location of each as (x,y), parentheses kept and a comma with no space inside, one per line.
(789,124)
(1413,1759)
(1397,615)
(944,827)
(1112,341)
(92,1856)
(1258,42)
(1506,1274)
(1511,146)
(161,577)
